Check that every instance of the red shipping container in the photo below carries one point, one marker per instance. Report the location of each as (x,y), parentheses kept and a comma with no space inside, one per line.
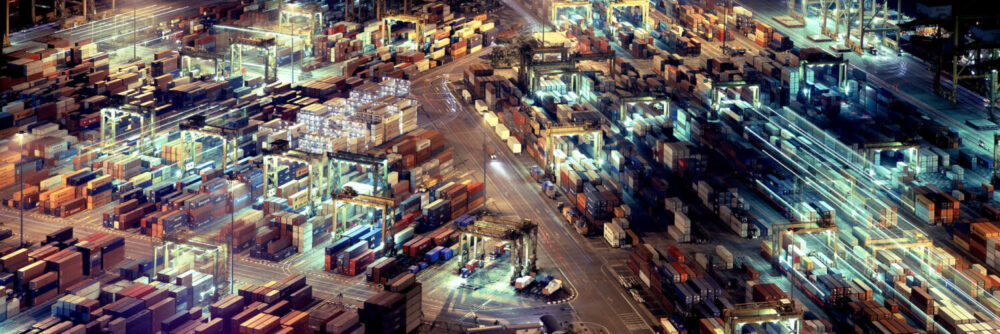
(675,253)
(360,262)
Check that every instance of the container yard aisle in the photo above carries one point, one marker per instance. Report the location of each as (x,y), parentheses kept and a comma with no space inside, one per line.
(512,191)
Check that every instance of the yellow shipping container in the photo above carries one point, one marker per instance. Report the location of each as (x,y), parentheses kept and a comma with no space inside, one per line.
(299,200)
(98,182)
(141,178)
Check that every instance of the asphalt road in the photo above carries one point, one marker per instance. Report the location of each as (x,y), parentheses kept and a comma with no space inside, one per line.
(511,192)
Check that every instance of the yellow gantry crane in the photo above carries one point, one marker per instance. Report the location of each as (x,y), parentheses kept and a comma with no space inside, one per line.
(642,4)
(386,205)
(267,44)
(317,184)
(111,117)
(805,228)
(557,5)
(195,128)
(522,235)
(553,131)
(188,52)
(417,21)
(909,244)
(760,312)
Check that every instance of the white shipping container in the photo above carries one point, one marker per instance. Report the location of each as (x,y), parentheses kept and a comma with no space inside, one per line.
(514,145)
(480,106)
(502,131)
(681,220)
(491,119)
(613,234)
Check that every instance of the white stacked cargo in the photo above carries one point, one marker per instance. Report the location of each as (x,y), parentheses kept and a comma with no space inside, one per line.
(923,208)
(614,235)
(680,231)
(942,258)
(552,287)
(725,256)
(957,173)
(944,158)
(408,119)
(481,106)
(674,204)
(674,151)
(302,237)
(992,254)
(958,195)
(564,113)
(806,213)
(523,282)
(502,131)
(417,175)
(705,193)
(928,161)
(954,315)
(491,119)
(617,160)
(702,261)
(880,213)
(514,145)
(736,224)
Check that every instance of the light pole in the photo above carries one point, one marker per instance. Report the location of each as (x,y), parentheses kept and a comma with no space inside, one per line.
(232,237)
(20,174)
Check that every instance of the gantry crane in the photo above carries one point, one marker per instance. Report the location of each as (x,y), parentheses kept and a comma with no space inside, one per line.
(521,234)
(642,4)
(871,149)
(196,125)
(719,85)
(188,52)
(805,228)
(838,15)
(267,44)
(386,205)
(379,164)
(867,24)
(317,185)
(311,12)
(417,21)
(111,117)
(557,5)
(841,64)
(530,68)
(913,242)
(784,310)
(553,131)
(626,102)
